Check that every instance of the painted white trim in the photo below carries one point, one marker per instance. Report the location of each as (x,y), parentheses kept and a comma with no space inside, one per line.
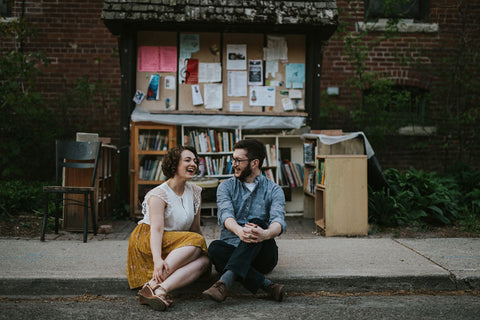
(406,25)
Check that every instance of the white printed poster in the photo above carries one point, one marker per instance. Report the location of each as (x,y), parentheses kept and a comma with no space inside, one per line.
(262,96)
(255,72)
(213,96)
(236,57)
(237,83)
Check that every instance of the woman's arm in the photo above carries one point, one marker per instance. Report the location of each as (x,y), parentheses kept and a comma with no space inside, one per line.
(157,224)
(196,221)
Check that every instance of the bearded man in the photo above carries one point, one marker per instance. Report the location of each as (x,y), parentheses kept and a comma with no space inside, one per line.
(251,212)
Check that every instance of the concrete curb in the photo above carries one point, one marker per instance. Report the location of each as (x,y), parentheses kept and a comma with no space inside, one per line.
(116,286)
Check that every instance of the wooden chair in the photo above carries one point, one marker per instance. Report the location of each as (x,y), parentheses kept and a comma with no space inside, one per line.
(78,155)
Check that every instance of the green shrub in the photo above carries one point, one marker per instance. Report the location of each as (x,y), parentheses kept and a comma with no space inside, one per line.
(469,183)
(18,197)
(420,198)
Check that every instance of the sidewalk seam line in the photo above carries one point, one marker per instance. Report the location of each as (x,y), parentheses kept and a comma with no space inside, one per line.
(452,275)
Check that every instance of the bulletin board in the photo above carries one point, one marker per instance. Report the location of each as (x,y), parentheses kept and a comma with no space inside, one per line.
(227,73)
(167,94)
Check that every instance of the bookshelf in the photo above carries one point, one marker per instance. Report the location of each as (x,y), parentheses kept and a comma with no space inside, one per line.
(341,195)
(215,150)
(214,147)
(312,147)
(284,166)
(149,143)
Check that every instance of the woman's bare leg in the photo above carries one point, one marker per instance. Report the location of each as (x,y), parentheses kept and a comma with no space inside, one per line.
(186,274)
(181,257)
(185,264)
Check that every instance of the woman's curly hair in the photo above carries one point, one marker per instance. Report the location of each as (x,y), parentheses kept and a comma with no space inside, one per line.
(172,159)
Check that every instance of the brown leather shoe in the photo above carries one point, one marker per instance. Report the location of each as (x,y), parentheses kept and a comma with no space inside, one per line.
(276,292)
(217,292)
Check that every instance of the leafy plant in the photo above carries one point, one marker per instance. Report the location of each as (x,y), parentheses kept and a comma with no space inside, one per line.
(421,198)
(17,197)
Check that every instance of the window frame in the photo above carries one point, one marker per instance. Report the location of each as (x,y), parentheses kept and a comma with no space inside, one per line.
(376,14)
(6,9)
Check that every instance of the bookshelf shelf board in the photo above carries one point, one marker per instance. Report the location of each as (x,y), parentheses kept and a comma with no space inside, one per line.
(215,153)
(156,182)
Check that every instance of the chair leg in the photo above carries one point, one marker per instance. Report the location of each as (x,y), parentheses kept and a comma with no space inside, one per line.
(94,221)
(59,197)
(45,214)
(85,217)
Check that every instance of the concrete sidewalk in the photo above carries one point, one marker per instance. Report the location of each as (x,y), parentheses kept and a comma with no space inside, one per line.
(66,267)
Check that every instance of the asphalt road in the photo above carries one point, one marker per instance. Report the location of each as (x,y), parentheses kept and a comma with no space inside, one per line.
(299,306)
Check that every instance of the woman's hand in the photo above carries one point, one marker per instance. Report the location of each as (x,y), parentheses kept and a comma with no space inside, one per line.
(160,271)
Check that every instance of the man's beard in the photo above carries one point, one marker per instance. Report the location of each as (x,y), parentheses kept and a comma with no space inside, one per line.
(245,173)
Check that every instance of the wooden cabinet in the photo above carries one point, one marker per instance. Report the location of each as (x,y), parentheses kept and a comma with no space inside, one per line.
(341,195)
(312,147)
(150,142)
(284,165)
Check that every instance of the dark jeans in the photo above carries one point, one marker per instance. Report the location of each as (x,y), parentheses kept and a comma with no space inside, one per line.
(249,261)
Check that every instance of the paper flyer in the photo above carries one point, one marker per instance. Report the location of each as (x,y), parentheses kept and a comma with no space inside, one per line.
(189,43)
(157,59)
(196,95)
(262,96)
(209,72)
(191,73)
(236,57)
(271,68)
(287,104)
(255,72)
(295,94)
(153,92)
(236,106)
(213,96)
(167,59)
(138,97)
(294,75)
(276,49)
(237,83)
(170,83)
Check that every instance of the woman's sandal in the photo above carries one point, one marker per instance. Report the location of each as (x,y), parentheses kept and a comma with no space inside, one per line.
(146,295)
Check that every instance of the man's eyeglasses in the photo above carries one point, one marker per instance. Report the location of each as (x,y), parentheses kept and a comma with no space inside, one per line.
(238,161)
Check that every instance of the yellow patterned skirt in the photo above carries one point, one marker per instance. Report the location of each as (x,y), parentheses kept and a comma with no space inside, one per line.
(140,259)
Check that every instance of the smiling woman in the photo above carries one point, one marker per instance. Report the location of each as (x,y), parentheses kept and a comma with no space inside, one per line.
(167,250)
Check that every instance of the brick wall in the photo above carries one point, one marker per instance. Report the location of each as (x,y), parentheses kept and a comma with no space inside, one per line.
(420,152)
(78,44)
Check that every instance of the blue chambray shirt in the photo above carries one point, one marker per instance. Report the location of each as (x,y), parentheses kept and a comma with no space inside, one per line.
(234,200)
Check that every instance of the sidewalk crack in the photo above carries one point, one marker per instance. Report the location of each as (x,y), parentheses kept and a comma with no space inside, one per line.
(452,275)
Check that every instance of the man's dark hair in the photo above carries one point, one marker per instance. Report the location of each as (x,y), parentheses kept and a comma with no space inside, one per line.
(172,159)
(255,149)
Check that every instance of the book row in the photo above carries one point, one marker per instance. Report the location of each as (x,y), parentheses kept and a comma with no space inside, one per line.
(291,174)
(214,166)
(151,170)
(316,176)
(153,140)
(210,140)
(271,156)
